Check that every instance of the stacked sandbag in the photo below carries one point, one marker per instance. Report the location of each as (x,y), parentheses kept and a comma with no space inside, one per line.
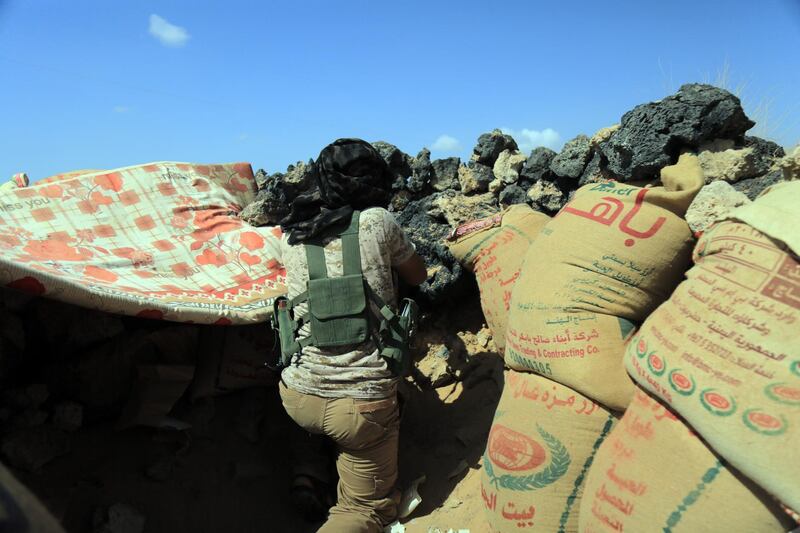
(724,350)
(609,257)
(541,445)
(653,473)
(494,248)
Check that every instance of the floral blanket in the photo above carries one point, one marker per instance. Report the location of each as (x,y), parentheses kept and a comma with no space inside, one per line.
(161,240)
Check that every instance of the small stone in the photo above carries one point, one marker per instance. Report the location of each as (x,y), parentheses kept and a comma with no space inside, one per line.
(495,186)
(29,418)
(790,164)
(119,518)
(713,203)
(32,448)
(38,393)
(400,200)
(508,165)
(572,159)
(161,469)
(68,416)
(483,337)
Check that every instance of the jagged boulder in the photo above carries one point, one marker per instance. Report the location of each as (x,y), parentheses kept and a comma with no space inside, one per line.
(491,145)
(722,160)
(790,164)
(537,166)
(474,177)
(651,135)
(713,203)
(508,165)
(445,174)
(512,194)
(547,196)
(399,162)
(572,159)
(754,186)
(421,172)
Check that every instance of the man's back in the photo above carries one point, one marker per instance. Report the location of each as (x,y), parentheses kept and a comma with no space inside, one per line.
(352,371)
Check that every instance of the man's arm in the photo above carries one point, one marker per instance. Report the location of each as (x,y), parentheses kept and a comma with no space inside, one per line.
(413,270)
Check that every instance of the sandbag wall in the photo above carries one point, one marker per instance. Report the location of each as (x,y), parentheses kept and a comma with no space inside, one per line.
(722,353)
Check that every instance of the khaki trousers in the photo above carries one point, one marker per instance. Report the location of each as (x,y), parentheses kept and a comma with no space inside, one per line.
(366,435)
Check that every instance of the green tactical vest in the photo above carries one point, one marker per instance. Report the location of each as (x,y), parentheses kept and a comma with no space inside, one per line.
(339,313)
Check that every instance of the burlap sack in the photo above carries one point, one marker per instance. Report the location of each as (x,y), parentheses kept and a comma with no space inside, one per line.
(494,248)
(541,445)
(654,474)
(608,258)
(724,351)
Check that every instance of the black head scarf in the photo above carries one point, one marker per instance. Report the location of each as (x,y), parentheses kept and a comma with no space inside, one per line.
(348,174)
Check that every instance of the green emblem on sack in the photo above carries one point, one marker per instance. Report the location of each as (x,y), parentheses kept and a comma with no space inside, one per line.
(764,423)
(783,393)
(681,383)
(656,363)
(716,403)
(559,463)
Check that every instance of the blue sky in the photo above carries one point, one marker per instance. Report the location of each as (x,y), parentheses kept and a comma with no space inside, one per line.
(103,84)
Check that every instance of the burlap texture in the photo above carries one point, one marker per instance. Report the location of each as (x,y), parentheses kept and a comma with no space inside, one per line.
(654,474)
(541,446)
(494,248)
(595,271)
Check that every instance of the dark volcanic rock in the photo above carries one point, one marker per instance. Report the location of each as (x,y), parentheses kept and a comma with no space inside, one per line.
(445,174)
(275,192)
(752,187)
(445,274)
(490,145)
(595,171)
(537,166)
(32,448)
(572,159)
(398,161)
(422,172)
(765,152)
(513,194)
(474,177)
(651,135)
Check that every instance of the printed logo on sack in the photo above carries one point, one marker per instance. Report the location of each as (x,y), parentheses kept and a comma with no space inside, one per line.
(795,368)
(783,393)
(641,348)
(681,383)
(716,403)
(764,423)
(513,451)
(656,364)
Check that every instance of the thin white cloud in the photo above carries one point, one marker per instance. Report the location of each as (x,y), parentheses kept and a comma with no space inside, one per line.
(168,34)
(445,143)
(243,136)
(527,139)
(121,109)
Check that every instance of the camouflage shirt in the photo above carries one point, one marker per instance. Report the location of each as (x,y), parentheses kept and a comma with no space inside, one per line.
(351,371)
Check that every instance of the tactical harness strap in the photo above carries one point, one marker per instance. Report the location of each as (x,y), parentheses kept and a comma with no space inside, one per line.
(338,310)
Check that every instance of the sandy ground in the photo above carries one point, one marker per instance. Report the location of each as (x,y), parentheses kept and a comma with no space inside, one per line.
(231,470)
